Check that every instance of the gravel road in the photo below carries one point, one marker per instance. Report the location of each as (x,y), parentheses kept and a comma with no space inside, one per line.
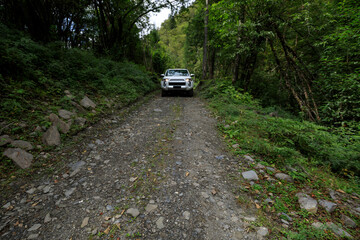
(163,172)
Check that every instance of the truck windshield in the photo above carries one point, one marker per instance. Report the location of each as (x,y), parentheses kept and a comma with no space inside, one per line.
(177,73)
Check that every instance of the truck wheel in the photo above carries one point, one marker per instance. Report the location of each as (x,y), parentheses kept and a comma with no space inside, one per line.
(191,93)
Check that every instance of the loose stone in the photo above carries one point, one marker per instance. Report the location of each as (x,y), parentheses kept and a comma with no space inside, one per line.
(133,212)
(329,206)
(307,203)
(34,227)
(285,177)
(150,207)
(85,222)
(250,175)
(186,215)
(159,223)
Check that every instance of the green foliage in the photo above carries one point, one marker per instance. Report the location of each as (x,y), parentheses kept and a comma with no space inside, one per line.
(33,73)
(281,140)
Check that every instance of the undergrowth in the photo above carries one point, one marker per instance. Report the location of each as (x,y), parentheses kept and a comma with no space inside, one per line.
(278,137)
(319,161)
(34,76)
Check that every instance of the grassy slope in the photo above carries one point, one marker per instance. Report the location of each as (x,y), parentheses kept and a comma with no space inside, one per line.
(33,78)
(316,159)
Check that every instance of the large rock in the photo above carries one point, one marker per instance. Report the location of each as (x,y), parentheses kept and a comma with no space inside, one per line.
(51,137)
(307,203)
(337,230)
(80,121)
(78,107)
(285,177)
(348,221)
(65,114)
(5,139)
(87,103)
(250,175)
(22,144)
(22,158)
(329,206)
(63,126)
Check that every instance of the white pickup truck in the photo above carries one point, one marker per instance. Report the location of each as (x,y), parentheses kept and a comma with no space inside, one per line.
(177,80)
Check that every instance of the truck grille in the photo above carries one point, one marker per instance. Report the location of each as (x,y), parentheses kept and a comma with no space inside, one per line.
(177,83)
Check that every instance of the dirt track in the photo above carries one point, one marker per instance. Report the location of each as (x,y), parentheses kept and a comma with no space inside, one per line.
(166,160)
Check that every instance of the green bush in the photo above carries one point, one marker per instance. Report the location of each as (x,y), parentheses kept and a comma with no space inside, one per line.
(33,73)
(282,140)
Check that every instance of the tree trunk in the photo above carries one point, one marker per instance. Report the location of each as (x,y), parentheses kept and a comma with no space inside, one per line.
(205,48)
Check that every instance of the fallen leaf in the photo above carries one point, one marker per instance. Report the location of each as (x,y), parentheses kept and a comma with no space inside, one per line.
(118,225)
(257,206)
(354,197)
(107,218)
(213,191)
(107,230)
(35,204)
(340,191)
(187,174)
(56,181)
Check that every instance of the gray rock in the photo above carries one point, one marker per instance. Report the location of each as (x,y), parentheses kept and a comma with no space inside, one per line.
(287,217)
(259,166)
(262,231)
(250,219)
(46,189)
(157,110)
(34,227)
(47,218)
(87,103)
(31,191)
(51,137)
(307,203)
(357,209)
(186,215)
(33,236)
(78,107)
(63,126)
(6,205)
(348,221)
(160,223)
(133,212)
(65,114)
(5,139)
(77,165)
(235,146)
(337,230)
(69,192)
(99,142)
(109,207)
(250,175)
(285,177)
(248,158)
(150,207)
(205,195)
(85,222)
(271,169)
(22,144)
(329,206)
(22,158)
(318,225)
(80,121)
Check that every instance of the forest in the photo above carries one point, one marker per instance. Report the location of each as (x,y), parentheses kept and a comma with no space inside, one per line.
(282,79)
(299,57)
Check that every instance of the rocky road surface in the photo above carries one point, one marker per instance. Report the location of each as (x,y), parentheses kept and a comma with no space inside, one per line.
(162,173)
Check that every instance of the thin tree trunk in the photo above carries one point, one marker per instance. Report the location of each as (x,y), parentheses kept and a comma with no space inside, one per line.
(205,48)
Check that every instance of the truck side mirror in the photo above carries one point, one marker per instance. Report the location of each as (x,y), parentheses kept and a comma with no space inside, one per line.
(192,75)
(162,75)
